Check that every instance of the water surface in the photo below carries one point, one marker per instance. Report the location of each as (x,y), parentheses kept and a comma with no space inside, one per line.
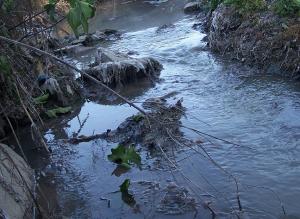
(257,111)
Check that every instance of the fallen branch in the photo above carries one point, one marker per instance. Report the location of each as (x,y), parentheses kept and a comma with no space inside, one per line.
(11,41)
(83,138)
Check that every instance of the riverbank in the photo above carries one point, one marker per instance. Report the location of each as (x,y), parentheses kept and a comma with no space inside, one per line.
(259,36)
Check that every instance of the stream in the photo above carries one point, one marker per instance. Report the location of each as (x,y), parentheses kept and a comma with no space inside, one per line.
(259,112)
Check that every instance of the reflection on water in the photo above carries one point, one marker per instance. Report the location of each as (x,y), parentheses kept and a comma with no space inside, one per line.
(261,112)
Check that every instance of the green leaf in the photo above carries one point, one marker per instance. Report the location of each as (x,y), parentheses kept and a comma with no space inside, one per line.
(85,24)
(74,19)
(41,99)
(60,110)
(72,3)
(87,9)
(124,156)
(50,9)
(7,5)
(138,118)
(125,186)
(4,65)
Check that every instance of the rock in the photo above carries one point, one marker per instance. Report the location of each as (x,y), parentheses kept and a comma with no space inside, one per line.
(115,68)
(15,191)
(262,39)
(98,36)
(165,27)
(192,7)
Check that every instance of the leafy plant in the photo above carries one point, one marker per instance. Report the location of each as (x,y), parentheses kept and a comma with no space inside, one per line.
(124,156)
(79,13)
(59,110)
(50,9)
(5,65)
(41,99)
(125,186)
(7,5)
(287,7)
(214,4)
(247,5)
(243,5)
(138,118)
(126,197)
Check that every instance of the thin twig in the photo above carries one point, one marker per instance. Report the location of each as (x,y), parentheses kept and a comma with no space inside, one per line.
(15,135)
(41,31)
(24,21)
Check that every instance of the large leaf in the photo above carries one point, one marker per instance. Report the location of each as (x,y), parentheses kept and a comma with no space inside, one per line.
(60,110)
(50,9)
(124,156)
(87,9)
(125,186)
(79,14)
(74,19)
(126,197)
(41,99)
(72,3)
(4,65)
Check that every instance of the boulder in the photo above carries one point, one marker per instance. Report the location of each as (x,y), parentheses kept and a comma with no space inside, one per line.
(192,7)
(165,27)
(16,185)
(114,68)
(99,36)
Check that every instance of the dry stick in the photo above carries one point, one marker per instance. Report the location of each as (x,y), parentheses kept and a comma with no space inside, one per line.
(229,174)
(33,110)
(198,152)
(181,110)
(15,136)
(188,179)
(24,21)
(220,139)
(81,125)
(273,192)
(38,32)
(220,167)
(29,117)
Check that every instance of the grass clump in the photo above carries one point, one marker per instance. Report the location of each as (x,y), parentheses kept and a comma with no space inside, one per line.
(242,5)
(247,5)
(286,8)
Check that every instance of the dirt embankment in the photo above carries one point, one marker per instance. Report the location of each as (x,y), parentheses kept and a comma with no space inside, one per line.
(259,38)
(262,39)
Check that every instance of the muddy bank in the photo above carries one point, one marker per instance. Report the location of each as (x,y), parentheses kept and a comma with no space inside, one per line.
(262,39)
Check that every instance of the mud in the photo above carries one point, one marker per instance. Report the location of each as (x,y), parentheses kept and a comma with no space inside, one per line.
(261,39)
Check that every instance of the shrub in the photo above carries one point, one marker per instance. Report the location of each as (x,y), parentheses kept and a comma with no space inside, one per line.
(243,5)
(214,4)
(247,5)
(80,11)
(287,7)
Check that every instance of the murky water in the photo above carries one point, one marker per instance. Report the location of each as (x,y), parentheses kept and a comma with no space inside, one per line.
(259,112)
